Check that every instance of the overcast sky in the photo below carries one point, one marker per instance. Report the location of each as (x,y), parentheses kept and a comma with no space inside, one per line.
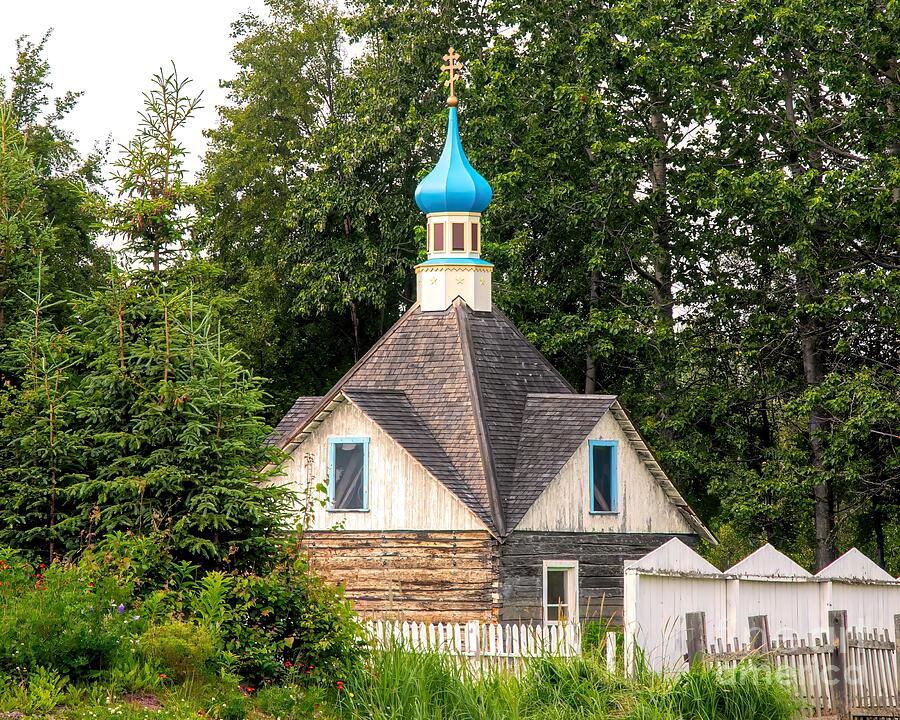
(110,48)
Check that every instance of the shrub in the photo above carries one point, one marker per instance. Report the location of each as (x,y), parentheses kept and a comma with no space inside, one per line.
(289,703)
(288,618)
(56,619)
(46,689)
(142,562)
(221,702)
(181,649)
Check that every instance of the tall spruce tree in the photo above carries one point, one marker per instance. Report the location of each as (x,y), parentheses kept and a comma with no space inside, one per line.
(177,442)
(62,184)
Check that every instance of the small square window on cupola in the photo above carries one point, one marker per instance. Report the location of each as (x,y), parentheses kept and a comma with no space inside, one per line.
(348,473)
(603,481)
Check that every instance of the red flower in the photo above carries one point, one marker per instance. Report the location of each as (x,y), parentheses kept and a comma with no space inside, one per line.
(340,684)
(288,663)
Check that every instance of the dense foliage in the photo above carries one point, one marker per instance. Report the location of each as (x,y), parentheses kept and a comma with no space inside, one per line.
(696,207)
(128,618)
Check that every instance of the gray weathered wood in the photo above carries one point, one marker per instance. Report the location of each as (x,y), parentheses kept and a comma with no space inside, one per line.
(601,559)
(837,623)
(695,627)
(897,656)
(759,633)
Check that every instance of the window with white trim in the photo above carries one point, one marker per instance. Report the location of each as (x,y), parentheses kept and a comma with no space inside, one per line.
(348,473)
(560,590)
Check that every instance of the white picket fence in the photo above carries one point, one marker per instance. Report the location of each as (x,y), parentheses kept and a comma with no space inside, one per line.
(487,645)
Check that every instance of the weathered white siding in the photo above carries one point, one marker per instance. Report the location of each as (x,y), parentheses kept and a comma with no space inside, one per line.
(643,507)
(402,494)
(792,606)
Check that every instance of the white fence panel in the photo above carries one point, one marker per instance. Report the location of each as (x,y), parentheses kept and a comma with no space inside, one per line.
(791,606)
(673,580)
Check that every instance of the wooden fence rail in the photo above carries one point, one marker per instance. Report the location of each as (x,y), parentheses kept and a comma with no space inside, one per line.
(840,674)
(485,645)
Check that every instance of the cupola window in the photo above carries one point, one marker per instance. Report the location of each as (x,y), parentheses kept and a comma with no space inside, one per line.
(348,473)
(459,236)
(438,230)
(603,481)
(474,237)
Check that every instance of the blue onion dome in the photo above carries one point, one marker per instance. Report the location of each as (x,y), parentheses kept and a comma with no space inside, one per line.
(454,185)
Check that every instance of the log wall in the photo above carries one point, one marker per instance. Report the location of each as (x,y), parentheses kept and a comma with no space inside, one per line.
(601,558)
(408,575)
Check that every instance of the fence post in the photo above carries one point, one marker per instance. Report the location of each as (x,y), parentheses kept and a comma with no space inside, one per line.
(897,649)
(473,641)
(610,652)
(695,627)
(837,670)
(759,633)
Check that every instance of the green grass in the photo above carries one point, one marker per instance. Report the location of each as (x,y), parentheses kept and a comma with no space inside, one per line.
(403,686)
(398,685)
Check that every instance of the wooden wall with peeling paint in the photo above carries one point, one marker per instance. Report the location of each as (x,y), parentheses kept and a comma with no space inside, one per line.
(601,559)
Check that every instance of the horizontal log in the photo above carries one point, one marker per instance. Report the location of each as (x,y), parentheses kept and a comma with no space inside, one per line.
(409,587)
(425,564)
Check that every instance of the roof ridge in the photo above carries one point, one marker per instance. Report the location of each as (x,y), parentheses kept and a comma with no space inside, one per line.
(336,388)
(481,428)
(648,457)
(533,478)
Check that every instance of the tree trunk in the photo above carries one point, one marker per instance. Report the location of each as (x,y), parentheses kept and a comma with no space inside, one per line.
(590,369)
(663,298)
(811,331)
(661,223)
(354,318)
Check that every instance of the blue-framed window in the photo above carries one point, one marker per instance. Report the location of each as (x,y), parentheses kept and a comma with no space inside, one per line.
(348,474)
(603,480)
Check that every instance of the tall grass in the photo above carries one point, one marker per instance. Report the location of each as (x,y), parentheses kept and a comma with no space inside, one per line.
(400,685)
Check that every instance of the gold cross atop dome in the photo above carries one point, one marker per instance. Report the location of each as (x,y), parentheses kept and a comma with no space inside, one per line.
(453,66)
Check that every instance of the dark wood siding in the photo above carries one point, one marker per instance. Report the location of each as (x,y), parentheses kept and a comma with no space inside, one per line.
(601,558)
(421,576)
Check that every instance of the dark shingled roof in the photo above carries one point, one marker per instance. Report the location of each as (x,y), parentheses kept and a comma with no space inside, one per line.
(302,407)
(473,401)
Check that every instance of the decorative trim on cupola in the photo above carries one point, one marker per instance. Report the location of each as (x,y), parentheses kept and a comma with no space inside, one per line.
(453,195)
